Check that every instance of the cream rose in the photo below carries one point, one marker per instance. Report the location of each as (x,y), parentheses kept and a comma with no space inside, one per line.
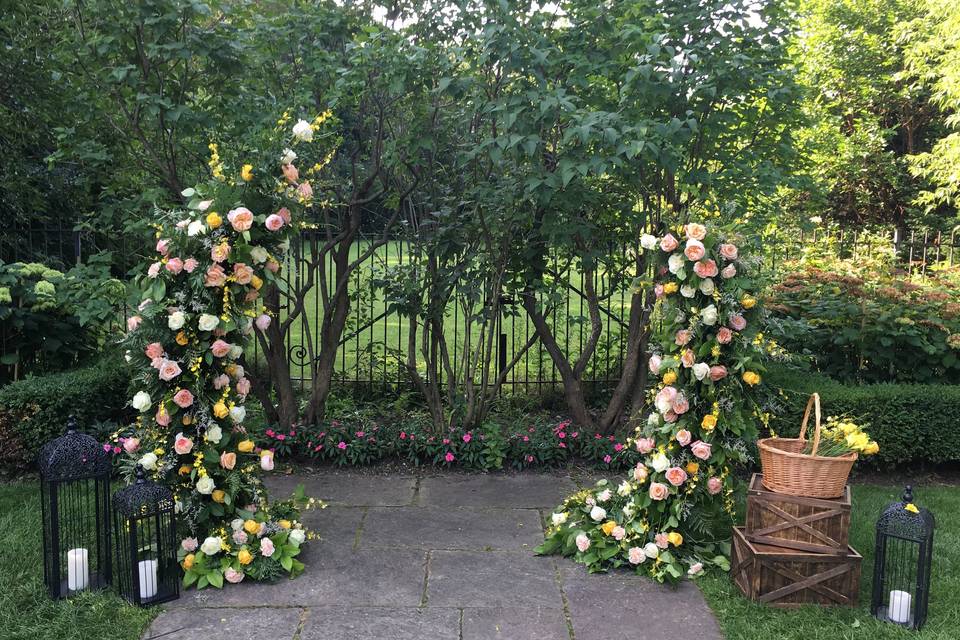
(207,322)
(141,401)
(176,320)
(206,485)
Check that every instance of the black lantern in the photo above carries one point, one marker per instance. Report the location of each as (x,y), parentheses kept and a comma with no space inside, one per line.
(901,574)
(75,500)
(145,526)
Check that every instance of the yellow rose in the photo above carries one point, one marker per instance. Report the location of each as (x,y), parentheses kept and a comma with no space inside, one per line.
(751,378)
(214,220)
(186,420)
(675,538)
(284,524)
(692,468)
(245,446)
(188,561)
(670,287)
(669,377)
(748,302)
(245,557)
(608,527)
(256,282)
(185,470)
(247,172)
(871,449)
(709,422)
(182,339)
(220,410)
(218,495)
(251,526)
(912,508)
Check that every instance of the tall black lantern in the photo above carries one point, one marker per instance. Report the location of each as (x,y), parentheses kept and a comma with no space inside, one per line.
(75,501)
(901,575)
(145,525)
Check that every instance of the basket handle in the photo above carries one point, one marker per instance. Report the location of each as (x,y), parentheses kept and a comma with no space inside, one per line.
(814,402)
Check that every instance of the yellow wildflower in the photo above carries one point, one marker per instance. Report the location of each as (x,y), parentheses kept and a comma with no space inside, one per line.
(284,524)
(256,282)
(246,172)
(751,378)
(182,339)
(692,468)
(748,302)
(670,287)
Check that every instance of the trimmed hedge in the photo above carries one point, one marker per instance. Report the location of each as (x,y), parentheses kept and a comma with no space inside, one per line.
(912,423)
(34,411)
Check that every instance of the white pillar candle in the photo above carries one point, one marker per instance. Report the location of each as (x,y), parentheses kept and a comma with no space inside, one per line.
(148,578)
(78,569)
(899,608)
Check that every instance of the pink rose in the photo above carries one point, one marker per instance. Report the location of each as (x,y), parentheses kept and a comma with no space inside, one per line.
(220,251)
(718,372)
(683,437)
(640,472)
(701,450)
(262,322)
(228,460)
(162,417)
(133,322)
(190,264)
(220,348)
(696,231)
(240,537)
(688,358)
(680,404)
(130,445)
(221,381)
(243,386)
(305,189)
(728,272)
(240,218)
(729,251)
(669,243)
(683,337)
(664,398)
(144,304)
(251,295)
(154,269)
(694,250)
(645,445)
(183,398)
(583,542)
(157,362)
(695,568)
(233,576)
(618,533)
(290,173)
(215,276)
(189,544)
(724,335)
(658,491)
(670,416)
(705,268)
(182,444)
(266,547)
(635,555)
(243,273)
(662,540)
(714,485)
(738,322)
(273,222)
(174,265)
(169,369)
(658,291)
(154,350)
(285,214)
(676,476)
(266,461)
(653,364)
(163,246)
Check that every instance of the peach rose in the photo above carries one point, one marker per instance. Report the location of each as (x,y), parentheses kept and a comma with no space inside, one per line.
(696,231)
(243,386)
(285,214)
(163,246)
(635,555)
(738,322)
(241,219)
(169,369)
(661,540)
(676,476)
(220,348)
(665,398)
(689,358)
(640,472)
(242,273)
(273,222)
(680,404)
(618,533)
(583,542)
(182,444)
(133,322)
(694,250)
(728,272)
(221,381)
(724,335)
(291,173)
(669,243)
(220,252)
(216,277)
(228,459)
(701,450)
(670,416)
(683,437)
(154,269)
(162,417)
(658,291)
(645,445)
(130,445)
(174,265)
(718,372)
(683,337)
(653,364)
(729,251)
(705,268)
(714,485)
(154,350)
(305,189)
(190,264)
(273,266)
(183,398)
(658,491)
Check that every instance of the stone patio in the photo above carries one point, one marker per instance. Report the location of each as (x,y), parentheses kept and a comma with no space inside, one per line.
(436,557)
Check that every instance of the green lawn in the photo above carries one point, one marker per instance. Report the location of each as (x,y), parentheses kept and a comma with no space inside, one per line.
(743,620)
(26,613)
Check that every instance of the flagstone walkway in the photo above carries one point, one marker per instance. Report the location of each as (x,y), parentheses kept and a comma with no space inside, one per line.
(436,557)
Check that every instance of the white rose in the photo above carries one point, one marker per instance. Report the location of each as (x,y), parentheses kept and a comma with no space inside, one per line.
(205,485)
(707,286)
(211,546)
(558,518)
(687,291)
(648,241)
(236,524)
(289,155)
(127,356)
(651,550)
(675,263)
(629,510)
(297,536)
(303,131)
(237,414)
(141,401)
(659,462)
(598,514)
(149,461)
(709,316)
(624,489)
(259,255)
(214,434)
(203,205)
(663,403)
(176,320)
(700,370)
(604,495)
(235,352)
(195,228)
(208,322)
(177,506)
(653,419)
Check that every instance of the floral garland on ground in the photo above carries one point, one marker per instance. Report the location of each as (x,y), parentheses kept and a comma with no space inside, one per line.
(200,305)
(672,515)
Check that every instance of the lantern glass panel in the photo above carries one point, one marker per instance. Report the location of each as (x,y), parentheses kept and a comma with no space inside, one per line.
(146,532)
(75,505)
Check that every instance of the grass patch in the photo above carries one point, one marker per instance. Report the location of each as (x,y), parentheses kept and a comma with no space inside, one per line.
(26,613)
(744,620)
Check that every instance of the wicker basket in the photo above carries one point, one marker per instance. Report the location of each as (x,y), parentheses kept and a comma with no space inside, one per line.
(786,469)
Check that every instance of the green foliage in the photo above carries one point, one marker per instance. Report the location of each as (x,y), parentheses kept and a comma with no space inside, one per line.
(35,410)
(914,424)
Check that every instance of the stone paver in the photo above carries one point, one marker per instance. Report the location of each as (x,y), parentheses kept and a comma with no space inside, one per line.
(445,557)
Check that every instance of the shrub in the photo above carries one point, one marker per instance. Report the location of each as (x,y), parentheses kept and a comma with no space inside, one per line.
(35,410)
(912,423)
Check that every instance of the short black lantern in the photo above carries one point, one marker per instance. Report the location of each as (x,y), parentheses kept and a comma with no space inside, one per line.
(901,574)
(75,505)
(145,526)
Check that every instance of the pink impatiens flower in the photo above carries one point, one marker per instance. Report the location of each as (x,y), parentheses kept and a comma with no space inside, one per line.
(449,457)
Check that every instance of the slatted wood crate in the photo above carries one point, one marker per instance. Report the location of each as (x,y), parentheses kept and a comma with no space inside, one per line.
(795,522)
(789,578)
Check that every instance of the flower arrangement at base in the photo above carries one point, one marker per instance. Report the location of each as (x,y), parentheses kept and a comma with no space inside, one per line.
(201,303)
(672,515)
(842,436)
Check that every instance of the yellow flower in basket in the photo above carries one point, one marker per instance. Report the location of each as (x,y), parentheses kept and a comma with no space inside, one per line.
(858,441)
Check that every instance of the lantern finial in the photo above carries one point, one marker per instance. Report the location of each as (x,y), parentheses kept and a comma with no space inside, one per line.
(140,475)
(908,494)
(71,423)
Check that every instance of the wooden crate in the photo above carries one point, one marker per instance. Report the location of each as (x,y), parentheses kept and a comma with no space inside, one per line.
(789,577)
(796,522)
